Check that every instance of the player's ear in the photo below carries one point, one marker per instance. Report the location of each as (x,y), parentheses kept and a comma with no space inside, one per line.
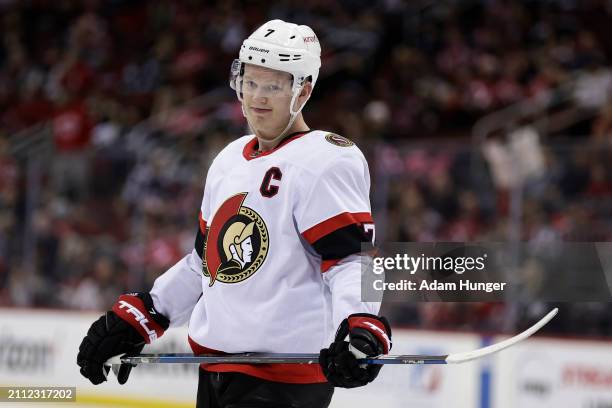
(306,90)
(304,94)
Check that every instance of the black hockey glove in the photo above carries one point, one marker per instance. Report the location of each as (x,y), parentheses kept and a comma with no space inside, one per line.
(369,336)
(125,329)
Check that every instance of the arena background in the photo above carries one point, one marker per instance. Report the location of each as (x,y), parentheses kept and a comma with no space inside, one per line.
(481,120)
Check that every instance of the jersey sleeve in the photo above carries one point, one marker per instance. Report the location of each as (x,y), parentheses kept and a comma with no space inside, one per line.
(333,215)
(176,292)
(344,282)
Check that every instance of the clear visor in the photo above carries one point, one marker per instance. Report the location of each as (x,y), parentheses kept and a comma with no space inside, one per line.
(259,82)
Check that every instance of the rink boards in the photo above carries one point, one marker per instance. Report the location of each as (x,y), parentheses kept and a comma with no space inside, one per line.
(39,348)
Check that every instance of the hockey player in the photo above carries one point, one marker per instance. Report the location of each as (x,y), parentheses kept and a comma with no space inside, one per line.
(276,263)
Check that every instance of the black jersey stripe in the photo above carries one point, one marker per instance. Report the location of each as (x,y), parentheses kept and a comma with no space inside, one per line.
(199,243)
(343,242)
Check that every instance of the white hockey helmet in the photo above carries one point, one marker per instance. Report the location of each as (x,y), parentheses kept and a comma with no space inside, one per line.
(284,47)
(281,46)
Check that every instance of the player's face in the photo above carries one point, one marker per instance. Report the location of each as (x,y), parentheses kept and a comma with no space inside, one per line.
(266,95)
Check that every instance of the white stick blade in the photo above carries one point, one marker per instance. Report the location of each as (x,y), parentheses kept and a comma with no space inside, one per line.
(456,358)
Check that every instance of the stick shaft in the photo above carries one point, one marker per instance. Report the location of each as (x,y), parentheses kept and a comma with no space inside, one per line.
(271,358)
(289,358)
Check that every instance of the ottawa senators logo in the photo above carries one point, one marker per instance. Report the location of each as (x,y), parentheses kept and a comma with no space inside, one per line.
(338,140)
(236,243)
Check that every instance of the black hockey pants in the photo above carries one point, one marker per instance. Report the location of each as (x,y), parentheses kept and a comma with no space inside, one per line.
(237,390)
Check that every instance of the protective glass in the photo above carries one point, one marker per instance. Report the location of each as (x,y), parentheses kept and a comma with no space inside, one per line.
(254,81)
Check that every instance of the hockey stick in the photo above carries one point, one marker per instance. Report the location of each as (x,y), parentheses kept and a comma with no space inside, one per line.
(289,358)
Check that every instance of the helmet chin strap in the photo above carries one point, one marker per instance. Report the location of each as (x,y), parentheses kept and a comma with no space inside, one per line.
(293,115)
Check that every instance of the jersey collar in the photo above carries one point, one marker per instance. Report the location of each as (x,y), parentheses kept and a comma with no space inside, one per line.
(251,152)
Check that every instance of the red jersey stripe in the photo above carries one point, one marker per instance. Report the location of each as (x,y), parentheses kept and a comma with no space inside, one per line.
(313,234)
(325,265)
(250,151)
(286,373)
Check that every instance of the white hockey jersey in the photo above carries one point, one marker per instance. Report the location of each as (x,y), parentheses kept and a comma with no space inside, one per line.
(276,261)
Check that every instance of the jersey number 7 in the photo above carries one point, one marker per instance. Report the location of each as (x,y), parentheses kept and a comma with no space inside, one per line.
(369,231)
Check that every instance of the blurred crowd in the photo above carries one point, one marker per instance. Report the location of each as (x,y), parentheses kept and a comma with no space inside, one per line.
(439,193)
(134,100)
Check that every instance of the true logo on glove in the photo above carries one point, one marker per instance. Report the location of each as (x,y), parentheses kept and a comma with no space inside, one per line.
(139,317)
(382,333)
